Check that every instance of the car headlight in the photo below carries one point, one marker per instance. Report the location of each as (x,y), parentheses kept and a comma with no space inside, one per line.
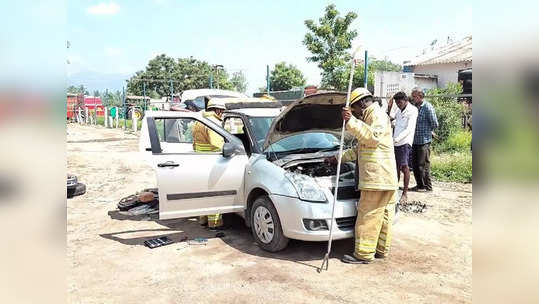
(306,186)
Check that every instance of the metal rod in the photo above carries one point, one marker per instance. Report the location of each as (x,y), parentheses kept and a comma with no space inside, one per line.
(144,94)
(171,92)
(325,262)
(126,110)
(267,79)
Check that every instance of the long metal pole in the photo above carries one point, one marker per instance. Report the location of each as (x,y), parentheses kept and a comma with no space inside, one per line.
(171,92)
(126,110)
(325,262)
(144,94)
(267,79)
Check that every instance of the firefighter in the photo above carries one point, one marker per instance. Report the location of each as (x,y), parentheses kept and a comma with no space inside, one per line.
(377,178)
(206,140)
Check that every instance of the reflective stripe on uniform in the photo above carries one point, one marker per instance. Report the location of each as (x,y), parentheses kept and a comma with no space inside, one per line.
(205,148)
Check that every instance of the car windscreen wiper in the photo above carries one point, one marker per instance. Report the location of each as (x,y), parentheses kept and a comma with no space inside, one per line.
(329,149)
(302,150)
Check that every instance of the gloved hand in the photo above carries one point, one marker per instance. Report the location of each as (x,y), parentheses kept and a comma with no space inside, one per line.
(346,114)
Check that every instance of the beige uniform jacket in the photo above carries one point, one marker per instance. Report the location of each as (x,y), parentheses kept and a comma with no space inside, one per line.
(374,151)
(204,139)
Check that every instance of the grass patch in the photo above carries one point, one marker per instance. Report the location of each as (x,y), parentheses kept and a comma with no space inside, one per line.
(101,121)
(452,167)
(457,142)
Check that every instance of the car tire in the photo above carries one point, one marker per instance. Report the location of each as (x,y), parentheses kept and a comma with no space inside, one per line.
(80,189)
(263,208)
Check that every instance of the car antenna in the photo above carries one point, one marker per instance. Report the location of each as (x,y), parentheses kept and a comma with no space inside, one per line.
(325,262)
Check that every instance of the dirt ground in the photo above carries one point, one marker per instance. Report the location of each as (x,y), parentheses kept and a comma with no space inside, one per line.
(430,262)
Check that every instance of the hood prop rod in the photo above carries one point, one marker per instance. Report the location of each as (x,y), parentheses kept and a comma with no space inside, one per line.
(325,262)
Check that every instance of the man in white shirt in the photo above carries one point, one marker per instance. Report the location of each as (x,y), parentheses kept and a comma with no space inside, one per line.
(403,138)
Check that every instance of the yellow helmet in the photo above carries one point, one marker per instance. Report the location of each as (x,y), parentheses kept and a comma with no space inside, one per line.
(268,97)
(358,93)
(216,103)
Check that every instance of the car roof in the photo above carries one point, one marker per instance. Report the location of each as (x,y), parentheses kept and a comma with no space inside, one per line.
(192,94)
(257,112)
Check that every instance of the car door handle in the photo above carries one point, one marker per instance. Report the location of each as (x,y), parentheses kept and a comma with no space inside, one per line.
(168,164)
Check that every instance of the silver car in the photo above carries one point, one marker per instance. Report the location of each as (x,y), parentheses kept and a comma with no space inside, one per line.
(271,169)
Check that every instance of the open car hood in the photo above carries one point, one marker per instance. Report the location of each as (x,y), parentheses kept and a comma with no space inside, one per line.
(314,113)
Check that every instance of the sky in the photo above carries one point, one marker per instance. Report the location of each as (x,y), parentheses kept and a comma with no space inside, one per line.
(114,39)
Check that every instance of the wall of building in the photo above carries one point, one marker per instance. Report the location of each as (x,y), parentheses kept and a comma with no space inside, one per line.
(392,82)
(446,72)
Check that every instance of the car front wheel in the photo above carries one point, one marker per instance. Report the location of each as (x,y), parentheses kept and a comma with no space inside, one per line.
(266,226)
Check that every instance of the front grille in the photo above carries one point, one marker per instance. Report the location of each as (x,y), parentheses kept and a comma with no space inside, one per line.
(346,223)
(347,192)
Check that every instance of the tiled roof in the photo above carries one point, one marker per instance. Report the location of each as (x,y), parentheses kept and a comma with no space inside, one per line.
(459,51)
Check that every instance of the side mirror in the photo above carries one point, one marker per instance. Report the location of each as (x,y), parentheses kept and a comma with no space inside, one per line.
(229,150)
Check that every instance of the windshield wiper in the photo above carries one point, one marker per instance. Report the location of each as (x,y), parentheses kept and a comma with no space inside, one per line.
(330,148)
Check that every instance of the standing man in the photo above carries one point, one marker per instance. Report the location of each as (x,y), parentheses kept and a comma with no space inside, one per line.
(377,176)
(426,123)
(403,137)
(206,140)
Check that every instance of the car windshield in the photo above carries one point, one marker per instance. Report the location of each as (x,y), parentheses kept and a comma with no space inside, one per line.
(301,143)
(260,127)
(305,143)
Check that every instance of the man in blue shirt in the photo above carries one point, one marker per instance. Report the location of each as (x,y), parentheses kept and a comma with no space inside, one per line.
(426,123)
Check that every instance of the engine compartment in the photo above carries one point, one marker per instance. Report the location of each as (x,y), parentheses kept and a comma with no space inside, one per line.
(319,168)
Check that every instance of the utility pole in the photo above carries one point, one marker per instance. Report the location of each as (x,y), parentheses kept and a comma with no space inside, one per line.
(171,92)
(211,79)
(144,94)
(217,76)
(267,79)
(366,70)
(126,110)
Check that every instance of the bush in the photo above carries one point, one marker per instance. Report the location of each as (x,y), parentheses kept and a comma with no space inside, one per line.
(448,110)
(452,167)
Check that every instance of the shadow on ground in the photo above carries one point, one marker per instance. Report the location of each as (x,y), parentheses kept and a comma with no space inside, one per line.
(237,235)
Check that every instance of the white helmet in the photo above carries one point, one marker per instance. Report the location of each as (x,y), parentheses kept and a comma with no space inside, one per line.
(216,103)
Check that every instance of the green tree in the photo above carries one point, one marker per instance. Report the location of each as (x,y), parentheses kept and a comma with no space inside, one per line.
(374,65)
(81,89)
(285,77)
(329,41)
(239,81)
(96,93)
(186,73)
(112,98)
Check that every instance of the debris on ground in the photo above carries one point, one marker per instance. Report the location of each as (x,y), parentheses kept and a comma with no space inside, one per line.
(140,203)
(158,242)
(128,202)
(146,197)
(144,209)
(198,241)
(220,234)
(412,207)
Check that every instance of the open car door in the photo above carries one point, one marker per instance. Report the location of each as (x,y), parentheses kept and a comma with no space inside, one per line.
(194,183)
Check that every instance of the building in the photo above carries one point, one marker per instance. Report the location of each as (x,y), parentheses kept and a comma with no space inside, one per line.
(444,62)
(392,82)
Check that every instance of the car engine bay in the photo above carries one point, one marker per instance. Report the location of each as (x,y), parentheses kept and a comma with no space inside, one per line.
(319,168)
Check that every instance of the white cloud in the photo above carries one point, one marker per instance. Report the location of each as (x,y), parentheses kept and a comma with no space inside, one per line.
(103,8)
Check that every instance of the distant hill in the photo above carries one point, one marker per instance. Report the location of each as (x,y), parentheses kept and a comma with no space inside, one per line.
(98,81)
